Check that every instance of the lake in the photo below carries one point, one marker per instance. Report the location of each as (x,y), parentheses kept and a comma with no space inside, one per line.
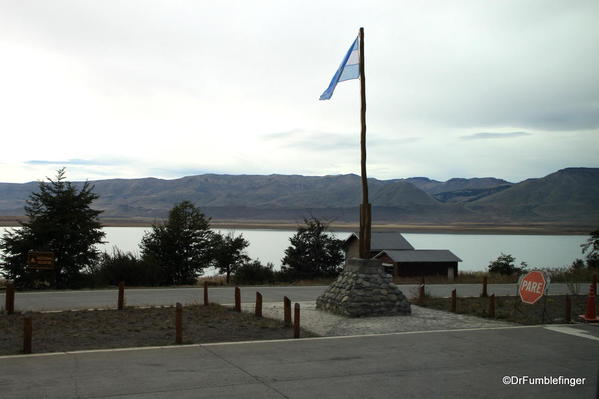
(475,250)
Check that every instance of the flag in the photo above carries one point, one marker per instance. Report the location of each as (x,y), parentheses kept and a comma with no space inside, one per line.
(349,69)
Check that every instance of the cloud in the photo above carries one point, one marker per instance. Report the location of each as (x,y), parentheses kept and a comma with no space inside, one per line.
(311,140)
(489,135)
(325,141)
(81,162)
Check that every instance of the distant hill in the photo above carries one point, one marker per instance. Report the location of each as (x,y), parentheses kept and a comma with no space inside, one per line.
(567,196)
(459,189)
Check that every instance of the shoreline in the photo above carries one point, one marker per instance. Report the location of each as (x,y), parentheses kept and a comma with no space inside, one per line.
(454,228)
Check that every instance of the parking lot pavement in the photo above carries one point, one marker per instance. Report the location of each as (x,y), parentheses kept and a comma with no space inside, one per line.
(499,362)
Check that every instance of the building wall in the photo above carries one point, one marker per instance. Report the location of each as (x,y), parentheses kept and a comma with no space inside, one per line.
(353,250)
(411,269)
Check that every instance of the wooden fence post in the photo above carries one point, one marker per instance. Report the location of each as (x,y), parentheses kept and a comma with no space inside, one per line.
(492,306)
(452,307)
(237,299)
(27,334)
(568,310)
(205,293)
(9,298)
(484,293)
(179,324)
(296,321)
(258,304)
(287,311)
(121,300)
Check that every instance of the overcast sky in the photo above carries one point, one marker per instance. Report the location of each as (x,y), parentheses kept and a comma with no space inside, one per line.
(173,88)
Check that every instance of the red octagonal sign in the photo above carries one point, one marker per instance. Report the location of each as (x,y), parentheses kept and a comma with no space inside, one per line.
(532,287)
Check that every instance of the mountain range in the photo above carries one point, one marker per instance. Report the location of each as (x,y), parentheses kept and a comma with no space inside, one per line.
(568,196)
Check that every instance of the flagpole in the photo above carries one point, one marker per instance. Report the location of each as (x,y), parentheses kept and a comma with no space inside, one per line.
(365,207)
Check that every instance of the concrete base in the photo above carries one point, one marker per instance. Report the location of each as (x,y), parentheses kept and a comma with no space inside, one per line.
(364,289)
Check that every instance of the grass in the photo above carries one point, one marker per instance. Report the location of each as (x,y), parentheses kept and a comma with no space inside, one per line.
(134,327)
(461,278)
(550,309)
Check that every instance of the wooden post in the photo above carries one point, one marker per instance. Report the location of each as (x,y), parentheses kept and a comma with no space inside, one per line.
(568,312)
(179,324)
(237,299)
(27,334)
(453,306)
(121,301)
(287,311)
(258,304)
(9,298)
(421,292)
(296,321)
(205,293)
(492,306)
(365,208)
(484,293)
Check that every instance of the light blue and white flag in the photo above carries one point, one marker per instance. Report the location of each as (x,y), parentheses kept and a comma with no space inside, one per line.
(349,69)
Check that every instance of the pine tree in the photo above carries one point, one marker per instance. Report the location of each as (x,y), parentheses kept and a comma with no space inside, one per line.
(313,252)
(181,247)
(59,219)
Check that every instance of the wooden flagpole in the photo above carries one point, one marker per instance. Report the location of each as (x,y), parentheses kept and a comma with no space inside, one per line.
(365,207)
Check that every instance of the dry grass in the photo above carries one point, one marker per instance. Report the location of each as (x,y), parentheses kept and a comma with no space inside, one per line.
(461,278)
(134,327)
(550,309)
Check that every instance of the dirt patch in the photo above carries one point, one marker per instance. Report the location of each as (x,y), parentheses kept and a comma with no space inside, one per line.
(550,309)
(133,327)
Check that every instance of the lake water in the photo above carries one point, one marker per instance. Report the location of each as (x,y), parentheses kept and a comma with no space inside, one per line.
(475,250)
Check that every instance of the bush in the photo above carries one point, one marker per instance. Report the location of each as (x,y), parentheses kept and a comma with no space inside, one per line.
(254,272)
(124,266)
(504,264)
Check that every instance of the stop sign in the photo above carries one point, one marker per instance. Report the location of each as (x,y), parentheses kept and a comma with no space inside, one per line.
(532,287)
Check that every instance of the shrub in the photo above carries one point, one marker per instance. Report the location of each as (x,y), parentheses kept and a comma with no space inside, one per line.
(124,266)
(254,272)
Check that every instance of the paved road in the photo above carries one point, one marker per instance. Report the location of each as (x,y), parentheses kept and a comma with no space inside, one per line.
(442,364)
(86,299)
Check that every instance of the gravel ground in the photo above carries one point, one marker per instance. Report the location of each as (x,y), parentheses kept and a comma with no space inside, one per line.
(421,319)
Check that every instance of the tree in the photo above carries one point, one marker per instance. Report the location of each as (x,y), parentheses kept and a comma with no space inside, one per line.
(313,252)
(59,219)
(591,248)
(504,264)
(229,253)
(181,247)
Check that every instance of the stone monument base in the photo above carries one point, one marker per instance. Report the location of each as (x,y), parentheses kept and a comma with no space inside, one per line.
(364,289)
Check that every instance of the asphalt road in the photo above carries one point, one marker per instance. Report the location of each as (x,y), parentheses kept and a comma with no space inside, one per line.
(438,364)
(87,299)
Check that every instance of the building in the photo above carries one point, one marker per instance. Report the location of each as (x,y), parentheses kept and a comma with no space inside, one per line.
(401,259)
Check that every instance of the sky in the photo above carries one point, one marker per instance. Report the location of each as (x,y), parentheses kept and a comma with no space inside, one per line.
(167,89)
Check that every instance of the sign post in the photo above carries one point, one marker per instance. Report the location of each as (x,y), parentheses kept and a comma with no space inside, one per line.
(532,287)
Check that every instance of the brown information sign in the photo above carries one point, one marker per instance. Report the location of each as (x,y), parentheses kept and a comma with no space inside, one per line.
(40,260)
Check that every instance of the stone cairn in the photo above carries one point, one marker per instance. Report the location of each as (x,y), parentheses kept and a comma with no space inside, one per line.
(364,289)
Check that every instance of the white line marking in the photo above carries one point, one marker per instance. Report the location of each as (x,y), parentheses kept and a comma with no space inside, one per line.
(572,331)
(141,348)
